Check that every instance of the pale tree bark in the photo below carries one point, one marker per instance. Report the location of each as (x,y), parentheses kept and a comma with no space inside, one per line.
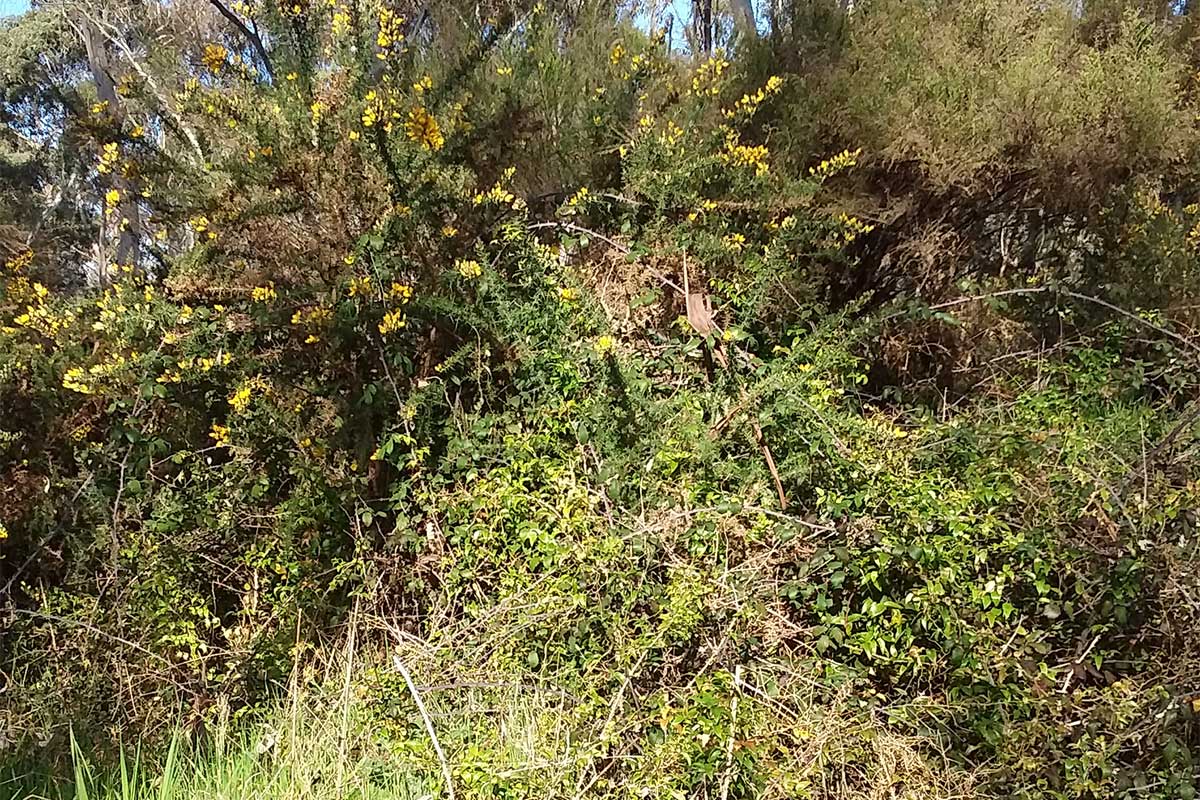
(743,18)
(128,212)
(114,36)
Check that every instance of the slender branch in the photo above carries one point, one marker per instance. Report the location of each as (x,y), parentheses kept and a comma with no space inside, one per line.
(437,747)
(570,226)
(1066,293)
(126,51)
(254,39)
(93,629)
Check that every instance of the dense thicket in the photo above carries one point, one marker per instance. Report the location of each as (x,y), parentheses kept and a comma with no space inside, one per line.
(814,405)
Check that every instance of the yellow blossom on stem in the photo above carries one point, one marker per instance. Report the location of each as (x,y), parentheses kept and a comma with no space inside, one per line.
(392,321)
(423,129)
(264,294)
(110,154)
(219,434)
(214,57)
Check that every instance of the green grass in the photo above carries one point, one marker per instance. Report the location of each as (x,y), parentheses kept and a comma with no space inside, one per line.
(302,751)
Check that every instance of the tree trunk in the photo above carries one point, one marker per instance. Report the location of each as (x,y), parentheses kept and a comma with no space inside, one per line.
(128,212)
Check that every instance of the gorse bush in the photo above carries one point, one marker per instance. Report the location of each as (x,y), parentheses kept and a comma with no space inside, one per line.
(625,407)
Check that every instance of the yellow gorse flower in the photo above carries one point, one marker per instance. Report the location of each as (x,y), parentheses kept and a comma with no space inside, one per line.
(219,434)
(707,77)
(740,155)
(20,261)
(263,294)
(214,57)
(831,166)
(749,103)
(469,269)
(392,321)
(423,129)
(389,35)
(240,400)
(110,154)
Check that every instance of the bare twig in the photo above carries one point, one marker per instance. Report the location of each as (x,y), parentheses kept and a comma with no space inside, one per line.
(188,133)
(93,629)
(570,226)
(437,747)
(733,712)
(1066,293)
(1149,457)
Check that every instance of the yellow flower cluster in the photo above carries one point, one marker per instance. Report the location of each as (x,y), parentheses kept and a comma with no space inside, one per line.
(395,319)
(617,55)
(735,242)
(672,134)
(423,129)
(390,35)
(111,199)
(240,400)
(204,364)
(359,286)
(19,262)
(219,434)
(200,224)
(469,269)
(707,78)
(314,319)
(740,155)
(73,379)
(317,112)
(449,231)
(498,195)
(401,292)
(264,294)
(370,114)
(749,103)
(110,154)
(568,294)
(340,24)
(422,86)
(38,316)
(78,380)
(579,197)
(852,227)
(214,57)
(831,166)
(392,321)
(786,223)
